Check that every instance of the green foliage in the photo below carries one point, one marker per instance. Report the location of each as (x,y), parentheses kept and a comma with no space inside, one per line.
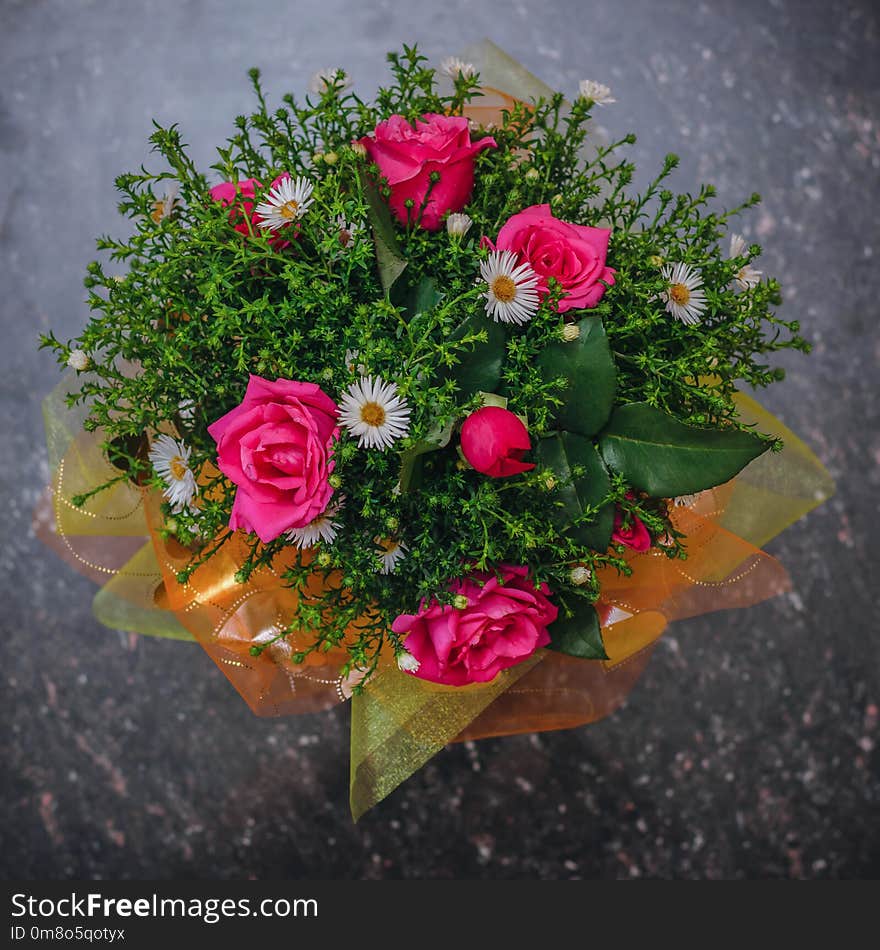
(577,632)
(184,308)
(582,509)
(588,376)
(659,455)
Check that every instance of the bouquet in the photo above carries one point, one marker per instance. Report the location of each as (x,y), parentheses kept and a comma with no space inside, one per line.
(417,403)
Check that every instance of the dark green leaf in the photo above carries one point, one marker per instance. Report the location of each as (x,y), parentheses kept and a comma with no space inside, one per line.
(592,377)
(663,457)
(583,482)
(479,368)
(391,262)
(434,440)
(579,634)
(415,300)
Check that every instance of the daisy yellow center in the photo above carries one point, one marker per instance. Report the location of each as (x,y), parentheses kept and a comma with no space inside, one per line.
(178,468)
(289,209)
(373,414)
(504,288)
(388,545)
(158,211)
(679,294)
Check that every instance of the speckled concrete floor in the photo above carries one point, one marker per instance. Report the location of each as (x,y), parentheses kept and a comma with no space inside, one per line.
(749,748)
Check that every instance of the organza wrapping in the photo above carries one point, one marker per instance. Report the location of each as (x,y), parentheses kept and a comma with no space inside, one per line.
(398,721)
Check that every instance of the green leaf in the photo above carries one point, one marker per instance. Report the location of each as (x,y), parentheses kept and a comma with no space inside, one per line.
(583,482)
(436,439)
(479,369)
(388,256)
(592,377)
(419,299)
(578,635)
(663,457)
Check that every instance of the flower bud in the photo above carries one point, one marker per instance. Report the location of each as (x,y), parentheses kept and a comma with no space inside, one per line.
(458,224)
(580,576)
(570,332)
(407,662)
(78,360)
(494,440)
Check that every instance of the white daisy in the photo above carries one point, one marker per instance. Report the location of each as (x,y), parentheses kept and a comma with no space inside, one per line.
(353,364)
(347,231)
(455,67)
(458,224)
(78,360)
(747,276)
(323,528)
(170,459)
(512,296)
(286,202)
(323,79)
(390,551)
(372,410)
(162,207)
(599,93)
(407,662)
(186,409)
(684,296)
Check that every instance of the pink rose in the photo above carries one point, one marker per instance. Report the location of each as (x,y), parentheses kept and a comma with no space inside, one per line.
(636,536)
(504,622)
(240,197)
(277,447)
(572,254)
(408,155)
(494,441)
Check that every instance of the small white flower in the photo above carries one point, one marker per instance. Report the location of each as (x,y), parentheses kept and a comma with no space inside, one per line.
(170,459)
(353,364)
(599,93)
(570,332)
(686,501)
(407,662)
(285,203)
(390,551)
(747,276)
(684,296)
(78,360)
(372,410)
(512,296)
(323,528)
(455,67)
(458,224)
(162,207)
(580,576)
(347,231)
(323,79)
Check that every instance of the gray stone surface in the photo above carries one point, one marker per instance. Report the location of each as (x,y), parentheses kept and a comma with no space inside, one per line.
(749,748)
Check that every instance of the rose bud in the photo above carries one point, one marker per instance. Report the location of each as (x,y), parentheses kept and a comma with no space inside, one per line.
(636,536)
(494,440)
